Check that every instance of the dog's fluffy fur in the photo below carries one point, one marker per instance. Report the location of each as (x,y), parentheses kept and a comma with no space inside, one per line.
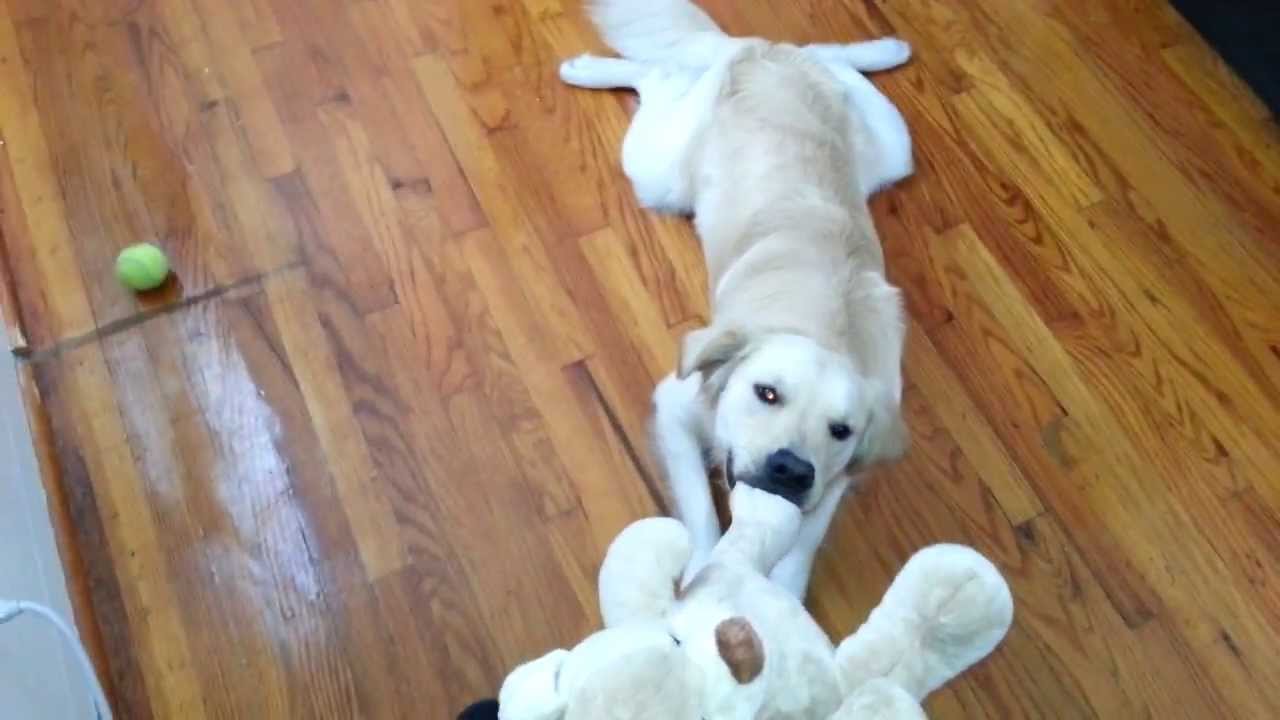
(774,149)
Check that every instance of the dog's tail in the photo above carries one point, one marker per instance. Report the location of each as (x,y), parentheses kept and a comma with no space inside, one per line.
(659,30)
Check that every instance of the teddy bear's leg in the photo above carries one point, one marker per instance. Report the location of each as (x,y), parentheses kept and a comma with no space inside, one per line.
(764,528)
(793,571)
(642,569)
(880,700)
(947,609)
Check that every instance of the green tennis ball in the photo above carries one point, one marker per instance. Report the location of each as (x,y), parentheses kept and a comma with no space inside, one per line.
(142,267)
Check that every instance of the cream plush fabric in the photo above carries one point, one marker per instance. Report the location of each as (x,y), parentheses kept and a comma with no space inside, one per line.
(733,646)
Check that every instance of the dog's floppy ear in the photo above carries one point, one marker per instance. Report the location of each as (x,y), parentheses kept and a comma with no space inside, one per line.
(877,338)
(708,349)
(877,332)
(885,437)
(713,351)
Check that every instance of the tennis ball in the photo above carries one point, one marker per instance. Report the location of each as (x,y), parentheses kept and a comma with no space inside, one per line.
(142,267)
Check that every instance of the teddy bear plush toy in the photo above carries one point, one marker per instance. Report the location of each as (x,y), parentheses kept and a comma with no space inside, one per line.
(732,646)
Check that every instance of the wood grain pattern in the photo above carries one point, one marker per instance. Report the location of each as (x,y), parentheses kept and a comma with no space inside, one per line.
(365,453)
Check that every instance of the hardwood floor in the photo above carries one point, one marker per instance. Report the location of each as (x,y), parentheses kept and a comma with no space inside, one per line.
(365,454)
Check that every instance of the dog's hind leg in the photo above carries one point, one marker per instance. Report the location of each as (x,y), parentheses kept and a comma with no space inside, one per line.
(675,105)
(884,156)
(602,73)
(656,144)
(867,56)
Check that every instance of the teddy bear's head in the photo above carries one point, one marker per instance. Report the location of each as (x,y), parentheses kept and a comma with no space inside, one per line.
(640,672)
(664,654)
(731,645)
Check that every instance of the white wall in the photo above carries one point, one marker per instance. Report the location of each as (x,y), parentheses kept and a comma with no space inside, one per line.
(38,677)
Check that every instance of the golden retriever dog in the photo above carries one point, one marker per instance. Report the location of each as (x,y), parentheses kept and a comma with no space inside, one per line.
(795,385)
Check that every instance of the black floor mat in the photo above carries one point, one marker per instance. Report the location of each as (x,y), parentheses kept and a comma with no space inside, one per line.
(1247,35)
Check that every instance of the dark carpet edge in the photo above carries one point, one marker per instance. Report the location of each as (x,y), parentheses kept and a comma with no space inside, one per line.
(1246,33)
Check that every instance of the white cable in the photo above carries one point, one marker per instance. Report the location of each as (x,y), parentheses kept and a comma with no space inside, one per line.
(10,609)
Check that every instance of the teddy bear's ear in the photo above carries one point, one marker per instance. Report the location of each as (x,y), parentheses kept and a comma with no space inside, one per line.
(532,691)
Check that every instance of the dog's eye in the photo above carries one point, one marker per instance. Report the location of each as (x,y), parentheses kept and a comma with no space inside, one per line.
(840,431)
(767,394)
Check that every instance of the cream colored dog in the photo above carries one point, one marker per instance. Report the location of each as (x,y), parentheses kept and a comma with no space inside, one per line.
(796,383)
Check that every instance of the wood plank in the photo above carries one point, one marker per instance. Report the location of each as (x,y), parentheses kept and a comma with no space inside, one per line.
(14,254)
(87,419)
(1162,192)
(257,21)
(366,452)
(367,507)
(630,302)
(1122,482)
(1177,113)
(35,187)
(666,254)
(255,113)
(496,194)
(558,401)
(422,139)
(937,381)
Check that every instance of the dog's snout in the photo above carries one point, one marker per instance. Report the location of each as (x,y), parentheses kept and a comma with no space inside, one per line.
(790,471)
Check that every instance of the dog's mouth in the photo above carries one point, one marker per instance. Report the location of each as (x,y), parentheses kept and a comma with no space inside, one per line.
(795,497)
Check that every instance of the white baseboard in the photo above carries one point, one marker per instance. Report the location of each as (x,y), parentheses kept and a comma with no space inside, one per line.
(39,679)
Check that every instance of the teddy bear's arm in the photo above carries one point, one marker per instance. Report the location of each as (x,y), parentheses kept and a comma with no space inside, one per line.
(947,609)
(641,571)
(764,528)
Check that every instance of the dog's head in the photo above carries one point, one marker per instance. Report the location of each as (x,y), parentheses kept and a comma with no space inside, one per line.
(791,414)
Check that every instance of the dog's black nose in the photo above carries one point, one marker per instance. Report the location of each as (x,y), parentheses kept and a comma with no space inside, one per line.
(789,472)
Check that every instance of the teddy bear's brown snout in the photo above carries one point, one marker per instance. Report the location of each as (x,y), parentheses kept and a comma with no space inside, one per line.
(740,648)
